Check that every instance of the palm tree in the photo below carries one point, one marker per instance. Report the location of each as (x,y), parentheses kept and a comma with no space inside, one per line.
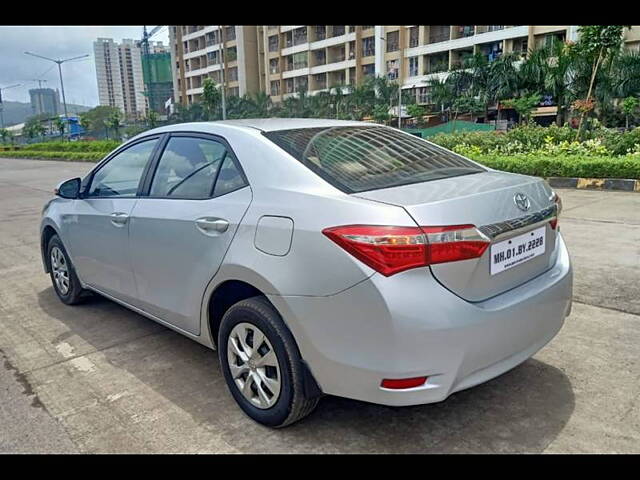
(441,93)
(503,79)
(60,125)
(548,70)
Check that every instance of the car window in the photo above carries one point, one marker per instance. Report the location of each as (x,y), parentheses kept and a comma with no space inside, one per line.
(120,176)
(188,168)
(356,159)
(230,178)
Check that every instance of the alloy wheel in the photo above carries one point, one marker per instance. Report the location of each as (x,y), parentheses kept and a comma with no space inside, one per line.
(60,270)
(254,365)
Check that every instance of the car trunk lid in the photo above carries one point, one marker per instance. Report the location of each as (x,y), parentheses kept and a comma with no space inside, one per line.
(488,201)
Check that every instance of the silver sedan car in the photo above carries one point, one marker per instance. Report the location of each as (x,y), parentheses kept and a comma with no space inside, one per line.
(318,257)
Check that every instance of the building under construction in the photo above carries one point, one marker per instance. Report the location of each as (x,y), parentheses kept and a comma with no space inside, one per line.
(45,100)
(158,83)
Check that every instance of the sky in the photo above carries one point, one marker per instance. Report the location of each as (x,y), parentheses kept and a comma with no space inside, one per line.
(79,76)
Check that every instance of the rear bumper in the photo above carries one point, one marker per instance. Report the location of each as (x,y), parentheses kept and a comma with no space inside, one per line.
(408,325)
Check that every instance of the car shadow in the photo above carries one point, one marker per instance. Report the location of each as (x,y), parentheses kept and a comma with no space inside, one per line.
(521,411)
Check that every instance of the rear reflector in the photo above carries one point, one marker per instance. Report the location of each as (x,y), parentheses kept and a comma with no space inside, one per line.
(390,250)
(402,383)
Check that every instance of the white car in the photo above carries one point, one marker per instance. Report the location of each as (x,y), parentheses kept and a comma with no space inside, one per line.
(318,257)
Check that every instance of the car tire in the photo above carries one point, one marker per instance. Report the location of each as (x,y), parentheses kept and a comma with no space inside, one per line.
(252,317)
(63,275)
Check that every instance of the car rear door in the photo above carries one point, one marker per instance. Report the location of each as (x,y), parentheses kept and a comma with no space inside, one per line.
(98,230)
(194,199)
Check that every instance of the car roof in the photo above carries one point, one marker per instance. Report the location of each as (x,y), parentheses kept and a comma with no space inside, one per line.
(273,124)
(261,124)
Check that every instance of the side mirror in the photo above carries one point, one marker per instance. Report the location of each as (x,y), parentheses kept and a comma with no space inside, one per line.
(69,188)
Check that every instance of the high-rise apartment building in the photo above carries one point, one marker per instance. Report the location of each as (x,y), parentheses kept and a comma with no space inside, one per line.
(219,52)
(281,59)
(119,74)
(45,100)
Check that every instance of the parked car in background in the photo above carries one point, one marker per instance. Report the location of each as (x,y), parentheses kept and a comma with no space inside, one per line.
(318,257)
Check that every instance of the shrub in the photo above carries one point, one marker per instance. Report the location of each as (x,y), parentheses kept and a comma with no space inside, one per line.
(71,156)
(543,140)
(79,146)
(565,165)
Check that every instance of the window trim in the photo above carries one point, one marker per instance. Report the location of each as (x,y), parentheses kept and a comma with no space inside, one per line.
(144,192)
(88,180)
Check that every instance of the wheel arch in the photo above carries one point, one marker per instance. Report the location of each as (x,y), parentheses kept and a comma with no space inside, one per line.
(231,291)
(48,231)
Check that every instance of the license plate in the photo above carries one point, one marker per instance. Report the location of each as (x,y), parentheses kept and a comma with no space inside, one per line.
(517,250)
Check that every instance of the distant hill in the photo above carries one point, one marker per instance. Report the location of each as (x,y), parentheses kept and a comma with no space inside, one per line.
(18,112)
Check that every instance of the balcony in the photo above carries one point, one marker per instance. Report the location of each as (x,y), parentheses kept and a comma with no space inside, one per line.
(439,37)
(319,58)
(464,31)
(299,36)
(338,30)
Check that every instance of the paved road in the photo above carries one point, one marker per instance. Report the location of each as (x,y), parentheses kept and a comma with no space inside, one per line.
(99,378)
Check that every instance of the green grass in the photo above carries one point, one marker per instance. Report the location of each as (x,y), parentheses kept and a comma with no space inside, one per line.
(82,151)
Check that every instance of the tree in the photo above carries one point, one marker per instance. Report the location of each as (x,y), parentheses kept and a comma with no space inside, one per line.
(597,44)
(98,118)
(416,111)
(524,105)
(548,70)
(469,104)
(33,126)
(441,93)
(381,113)
(503,79)
(114,121)
(211,99)
(5,135)
(60,125)
(152,118)
(85,122)
(34,130)
(629,107)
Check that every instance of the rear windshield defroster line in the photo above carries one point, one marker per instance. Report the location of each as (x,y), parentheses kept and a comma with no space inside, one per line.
(361,158)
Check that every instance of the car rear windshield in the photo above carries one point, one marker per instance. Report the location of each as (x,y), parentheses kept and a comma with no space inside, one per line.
(360,158)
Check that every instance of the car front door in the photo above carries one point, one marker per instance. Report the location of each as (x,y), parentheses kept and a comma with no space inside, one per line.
(99,229)
(183,223)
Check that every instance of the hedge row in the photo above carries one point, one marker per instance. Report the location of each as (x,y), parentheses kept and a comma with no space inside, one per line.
(565,166)
(80,146)
(532,137)
(57,155)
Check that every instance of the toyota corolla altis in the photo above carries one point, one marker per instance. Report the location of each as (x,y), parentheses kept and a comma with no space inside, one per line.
(318,257)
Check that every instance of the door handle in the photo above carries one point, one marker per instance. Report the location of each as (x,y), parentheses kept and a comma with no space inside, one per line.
(210,225)
(119,219)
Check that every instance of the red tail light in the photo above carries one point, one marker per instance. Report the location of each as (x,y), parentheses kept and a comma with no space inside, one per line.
(390,250)
(558,202)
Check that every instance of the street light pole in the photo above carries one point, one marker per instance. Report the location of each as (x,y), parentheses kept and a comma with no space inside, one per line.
(223,98)
(60,62)
(64,100)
